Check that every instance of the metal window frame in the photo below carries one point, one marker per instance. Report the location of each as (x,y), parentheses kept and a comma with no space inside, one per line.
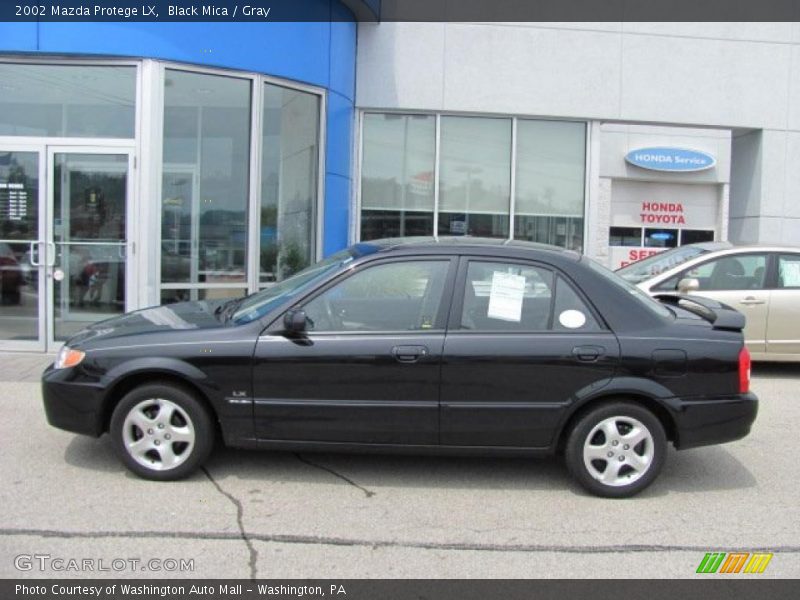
(357,201)
(253,211)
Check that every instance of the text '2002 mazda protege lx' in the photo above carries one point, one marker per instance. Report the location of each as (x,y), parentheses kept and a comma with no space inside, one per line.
(451,346)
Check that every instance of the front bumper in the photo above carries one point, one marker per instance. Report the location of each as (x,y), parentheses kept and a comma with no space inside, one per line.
(713,421)
(72,404)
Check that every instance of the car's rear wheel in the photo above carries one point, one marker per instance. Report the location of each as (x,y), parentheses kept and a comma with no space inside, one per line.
(161,431)
(616,449)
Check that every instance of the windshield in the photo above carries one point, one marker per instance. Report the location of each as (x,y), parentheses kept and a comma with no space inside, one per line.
(651,304)
(658,263)
(259,304)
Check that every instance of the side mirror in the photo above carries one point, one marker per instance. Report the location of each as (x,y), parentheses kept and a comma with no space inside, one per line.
(294,321)
(688,285)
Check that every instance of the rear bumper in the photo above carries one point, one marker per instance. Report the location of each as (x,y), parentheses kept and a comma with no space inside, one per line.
(713,421)
(71,405)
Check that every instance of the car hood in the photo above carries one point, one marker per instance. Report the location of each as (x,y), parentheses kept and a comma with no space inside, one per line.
(181,316)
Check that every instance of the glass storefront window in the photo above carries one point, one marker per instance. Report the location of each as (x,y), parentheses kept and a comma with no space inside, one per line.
(67,100)
(550,182)
(205,186)
(289,165)
(399,163)
(694,236)
(397,193)
(660,238)
(625,236)
(475,176)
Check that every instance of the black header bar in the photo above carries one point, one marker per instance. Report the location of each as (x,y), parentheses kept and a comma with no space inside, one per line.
(399,10)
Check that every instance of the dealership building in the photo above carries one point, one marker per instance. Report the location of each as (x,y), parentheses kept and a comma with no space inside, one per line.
(145,163)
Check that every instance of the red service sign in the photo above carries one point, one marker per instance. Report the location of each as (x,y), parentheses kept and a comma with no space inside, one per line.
(638,254)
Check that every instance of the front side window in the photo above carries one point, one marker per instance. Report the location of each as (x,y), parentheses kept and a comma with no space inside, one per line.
(400,296)
(745,272)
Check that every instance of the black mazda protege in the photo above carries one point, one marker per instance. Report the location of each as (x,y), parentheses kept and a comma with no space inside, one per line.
(418,345)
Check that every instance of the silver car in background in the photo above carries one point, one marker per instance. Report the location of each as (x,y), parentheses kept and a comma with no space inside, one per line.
(763,282)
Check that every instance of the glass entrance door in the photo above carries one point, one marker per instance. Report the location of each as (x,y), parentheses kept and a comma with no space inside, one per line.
(87,247)
(22,248)
(64,241)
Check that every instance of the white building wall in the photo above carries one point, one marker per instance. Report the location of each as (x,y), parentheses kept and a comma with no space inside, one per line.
(739,76)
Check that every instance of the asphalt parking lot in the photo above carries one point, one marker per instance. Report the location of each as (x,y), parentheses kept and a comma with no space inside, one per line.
(276,515)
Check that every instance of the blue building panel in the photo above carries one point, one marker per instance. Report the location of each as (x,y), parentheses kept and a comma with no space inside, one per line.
(336,219)
(339,135)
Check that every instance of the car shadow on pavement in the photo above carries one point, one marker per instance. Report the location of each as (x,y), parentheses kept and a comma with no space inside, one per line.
(776,369)
(95,454)
(712,468)
(702,469)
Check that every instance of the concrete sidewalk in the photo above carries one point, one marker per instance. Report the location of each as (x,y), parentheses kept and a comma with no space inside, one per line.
(23,366)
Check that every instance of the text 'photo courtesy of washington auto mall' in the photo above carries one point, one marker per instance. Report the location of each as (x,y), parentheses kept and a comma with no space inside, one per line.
(359,298)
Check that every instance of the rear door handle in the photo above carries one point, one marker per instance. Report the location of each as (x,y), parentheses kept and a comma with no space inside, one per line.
(409,354)
(751,300)
(587,353)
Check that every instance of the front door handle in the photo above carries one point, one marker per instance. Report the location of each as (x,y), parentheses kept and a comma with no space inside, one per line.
(409,354)
(34,251)
(587,353)
(751,300)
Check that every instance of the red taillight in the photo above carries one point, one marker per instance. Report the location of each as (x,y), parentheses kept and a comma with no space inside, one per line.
(744,370)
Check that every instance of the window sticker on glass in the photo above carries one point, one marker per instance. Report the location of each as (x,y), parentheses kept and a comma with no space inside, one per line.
(572,319)
(505,297)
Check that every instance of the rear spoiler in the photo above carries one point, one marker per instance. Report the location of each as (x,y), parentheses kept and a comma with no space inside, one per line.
(720,315)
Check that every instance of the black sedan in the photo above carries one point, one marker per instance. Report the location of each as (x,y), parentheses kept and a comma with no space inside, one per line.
(448,346)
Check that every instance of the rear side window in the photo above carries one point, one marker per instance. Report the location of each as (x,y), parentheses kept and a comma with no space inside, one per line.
(789,271)
(742,272)
(521,298)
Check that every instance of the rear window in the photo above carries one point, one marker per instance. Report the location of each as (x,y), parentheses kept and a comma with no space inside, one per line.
(658,263)
(652,305)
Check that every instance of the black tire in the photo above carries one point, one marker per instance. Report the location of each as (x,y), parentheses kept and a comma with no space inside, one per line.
(642,469)
(187,416)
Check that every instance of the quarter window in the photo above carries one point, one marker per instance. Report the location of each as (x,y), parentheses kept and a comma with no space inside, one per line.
(570,312)
(789,271)
(389,297)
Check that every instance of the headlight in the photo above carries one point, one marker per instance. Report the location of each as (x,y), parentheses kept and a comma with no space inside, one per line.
(68,357)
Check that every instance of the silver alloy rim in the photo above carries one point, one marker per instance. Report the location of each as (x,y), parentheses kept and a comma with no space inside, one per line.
(618,451)
(158,434)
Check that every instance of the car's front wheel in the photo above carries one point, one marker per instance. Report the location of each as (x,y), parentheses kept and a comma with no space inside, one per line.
(161,431)
(616,449)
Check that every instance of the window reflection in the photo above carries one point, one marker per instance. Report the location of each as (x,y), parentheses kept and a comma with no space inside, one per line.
(205,178)
(475,179)
(397,175)
(67,100)
(550,180)
(289,162)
